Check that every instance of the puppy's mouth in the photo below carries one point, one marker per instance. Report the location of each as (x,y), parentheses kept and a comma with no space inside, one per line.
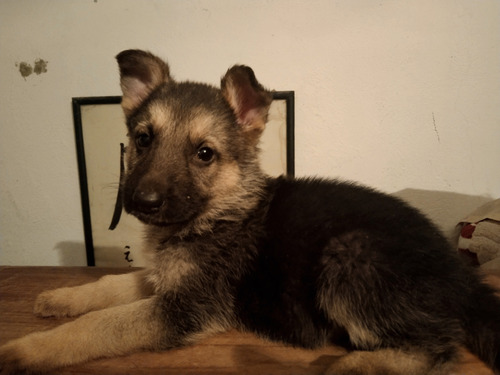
(159,220)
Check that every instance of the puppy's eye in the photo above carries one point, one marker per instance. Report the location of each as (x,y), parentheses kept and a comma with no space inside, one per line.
(206,154)
(143,140)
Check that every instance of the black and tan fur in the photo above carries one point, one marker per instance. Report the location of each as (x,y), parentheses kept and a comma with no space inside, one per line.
(306,262)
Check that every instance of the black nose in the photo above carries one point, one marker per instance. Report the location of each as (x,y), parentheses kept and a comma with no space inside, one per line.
(147,200)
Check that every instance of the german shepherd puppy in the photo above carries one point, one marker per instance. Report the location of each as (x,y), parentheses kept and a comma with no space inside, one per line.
(305,262)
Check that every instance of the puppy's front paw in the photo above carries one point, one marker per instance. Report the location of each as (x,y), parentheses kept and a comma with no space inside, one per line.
(36,353)
(58,303)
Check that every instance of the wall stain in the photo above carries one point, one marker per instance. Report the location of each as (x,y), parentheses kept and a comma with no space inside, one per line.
(435,128)
(39,67)
(25,69)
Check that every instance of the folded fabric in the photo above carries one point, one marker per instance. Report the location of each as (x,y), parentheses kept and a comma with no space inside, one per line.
(479,237)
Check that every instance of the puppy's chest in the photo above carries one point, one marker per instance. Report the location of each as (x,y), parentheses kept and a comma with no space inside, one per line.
(204,263)
(171,268)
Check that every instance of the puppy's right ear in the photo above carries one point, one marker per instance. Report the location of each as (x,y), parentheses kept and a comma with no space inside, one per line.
(140,73)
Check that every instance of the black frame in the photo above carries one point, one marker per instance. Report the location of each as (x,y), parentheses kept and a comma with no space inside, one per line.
(78,102)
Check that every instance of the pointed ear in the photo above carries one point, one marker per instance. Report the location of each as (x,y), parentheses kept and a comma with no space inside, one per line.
(248,99)
(140,73)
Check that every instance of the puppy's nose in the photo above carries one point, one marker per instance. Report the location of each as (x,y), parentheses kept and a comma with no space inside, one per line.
(148,200)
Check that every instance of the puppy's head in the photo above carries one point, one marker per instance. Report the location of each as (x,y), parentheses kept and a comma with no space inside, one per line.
(192,153)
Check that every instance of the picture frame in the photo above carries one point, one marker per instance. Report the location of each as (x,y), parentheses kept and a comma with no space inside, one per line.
(112,237)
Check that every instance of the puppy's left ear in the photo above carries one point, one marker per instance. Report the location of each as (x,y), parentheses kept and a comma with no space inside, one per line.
(248,99)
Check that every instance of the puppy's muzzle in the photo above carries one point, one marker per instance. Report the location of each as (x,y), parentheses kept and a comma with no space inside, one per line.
(147,201)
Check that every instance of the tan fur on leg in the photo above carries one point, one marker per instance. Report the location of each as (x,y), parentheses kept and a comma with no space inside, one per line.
(385,362)
(115,331)
(110,290)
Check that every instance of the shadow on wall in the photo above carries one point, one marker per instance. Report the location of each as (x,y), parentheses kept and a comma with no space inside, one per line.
(71,253)
(445,209)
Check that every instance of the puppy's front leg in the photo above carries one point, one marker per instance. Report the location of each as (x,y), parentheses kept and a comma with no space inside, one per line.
(110,290)
(110,332)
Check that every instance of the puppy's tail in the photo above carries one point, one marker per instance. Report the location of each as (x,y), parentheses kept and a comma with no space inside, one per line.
(483,326)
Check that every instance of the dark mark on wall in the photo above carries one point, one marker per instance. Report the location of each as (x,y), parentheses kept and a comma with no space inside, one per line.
(435,128)
(26,69)
(40,66)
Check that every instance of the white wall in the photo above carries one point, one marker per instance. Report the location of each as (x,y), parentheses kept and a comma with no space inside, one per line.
(396,94)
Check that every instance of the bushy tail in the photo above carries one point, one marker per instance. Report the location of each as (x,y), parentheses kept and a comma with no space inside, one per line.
(483,326)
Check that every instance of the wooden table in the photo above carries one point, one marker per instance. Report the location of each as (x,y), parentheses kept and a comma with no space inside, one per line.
(228,353)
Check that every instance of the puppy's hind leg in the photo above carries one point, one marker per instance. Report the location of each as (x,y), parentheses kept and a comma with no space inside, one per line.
(110,290)
(387,362)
